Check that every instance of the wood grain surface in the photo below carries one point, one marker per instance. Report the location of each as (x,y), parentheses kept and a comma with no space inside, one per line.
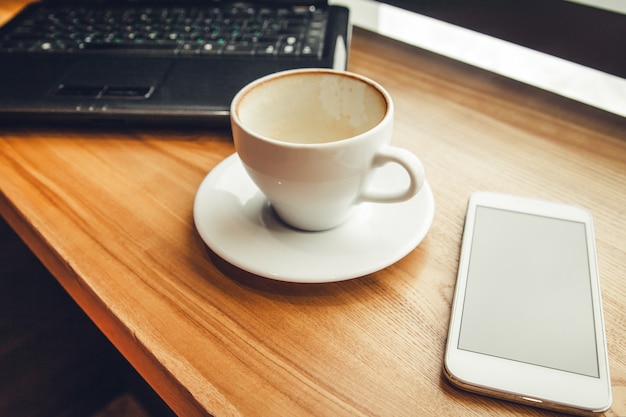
(109,213)
(53,360)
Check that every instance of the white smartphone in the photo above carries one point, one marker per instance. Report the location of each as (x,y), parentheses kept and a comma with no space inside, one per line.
(527,322)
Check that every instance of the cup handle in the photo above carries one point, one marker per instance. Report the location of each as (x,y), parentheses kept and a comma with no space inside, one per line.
(411,164)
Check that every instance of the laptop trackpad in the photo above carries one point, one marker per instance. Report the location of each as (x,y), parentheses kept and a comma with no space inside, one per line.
(112,78)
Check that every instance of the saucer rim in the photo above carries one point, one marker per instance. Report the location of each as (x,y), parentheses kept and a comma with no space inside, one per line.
(400,251)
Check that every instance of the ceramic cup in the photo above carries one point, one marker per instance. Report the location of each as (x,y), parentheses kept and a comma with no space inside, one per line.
(311,140)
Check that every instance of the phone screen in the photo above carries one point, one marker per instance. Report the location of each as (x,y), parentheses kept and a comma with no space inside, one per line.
(528,296)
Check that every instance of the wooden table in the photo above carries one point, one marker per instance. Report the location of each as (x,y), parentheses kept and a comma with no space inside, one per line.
(110,215)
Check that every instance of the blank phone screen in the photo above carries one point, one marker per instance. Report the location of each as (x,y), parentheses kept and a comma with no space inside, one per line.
(528,295)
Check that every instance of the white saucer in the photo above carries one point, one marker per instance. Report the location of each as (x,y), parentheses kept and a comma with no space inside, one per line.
(237,222)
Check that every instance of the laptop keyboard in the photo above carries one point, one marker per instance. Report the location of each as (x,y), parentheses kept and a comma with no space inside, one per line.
(232,30)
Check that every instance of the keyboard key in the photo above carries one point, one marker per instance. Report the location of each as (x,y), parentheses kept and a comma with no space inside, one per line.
(238,48)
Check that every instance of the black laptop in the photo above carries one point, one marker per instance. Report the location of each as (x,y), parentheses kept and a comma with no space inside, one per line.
(158,62)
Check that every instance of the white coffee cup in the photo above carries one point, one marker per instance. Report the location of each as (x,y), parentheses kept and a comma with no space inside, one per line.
(310,140)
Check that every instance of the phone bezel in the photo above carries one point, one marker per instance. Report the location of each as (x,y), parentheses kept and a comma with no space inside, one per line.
(533,384)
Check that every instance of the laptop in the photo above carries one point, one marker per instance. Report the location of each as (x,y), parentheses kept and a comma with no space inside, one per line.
(118,62)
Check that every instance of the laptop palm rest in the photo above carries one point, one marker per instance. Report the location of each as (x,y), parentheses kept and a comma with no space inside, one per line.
(127,79)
